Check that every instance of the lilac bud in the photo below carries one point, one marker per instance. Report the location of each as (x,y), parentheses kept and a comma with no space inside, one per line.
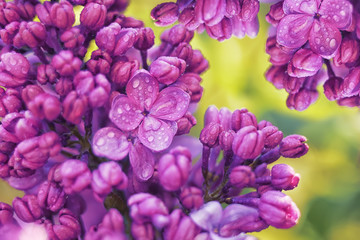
(272,136)
(176,35)
(278,55)
(278,210)
(113,220)
(74,107)
(14,69)
(293,85)
(142,231)
(107,176)
(293,146)
(263,123)
(238,218)
(242,176)
(26,10)
(9,12)
(332,88)
(248,142)
(122,71)
(284,177)
(270,156)
(31,34)
(45,106)
(302,99)
(304,63)
(64,86)
(120,5)
(125,40)
(84,82)
(275,14)
(125,22)
(51,196)
(62,14)
(10,101)
(9,34)
(146,39)
(349,101)
(167,69)
(27,208)
(72,38)
(100,94)
(174,168)
(226,139)
(65,63)
(183,51)
(276,75)
(185,124)
(145,208)
(188,19)
(249,10)
(211,115)
(165,14)
(76,176)
(180,227)
(242,118)
(210,134)
(43,13)
(351,84)
(220,31)
(348,52)
(100,62)
(190,83)
(46,73)
(210,12)
(106,37)
(93,16)
(6,213)
(191,197)
(233,8)
(198,63)
(68,227)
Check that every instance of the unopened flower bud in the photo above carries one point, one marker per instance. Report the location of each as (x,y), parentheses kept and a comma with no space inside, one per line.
(210,12)
(284,177)
(45,106)
(6,213)
(248,142)
(351,84)
(174,168)
(302,99)
(122,70)
(165,14)
(62,15)
(167,69)
(242,176)
(220,31)
(210,134)
(272,136)
(51,196)
(198,63)
(126,39)
(65,63)
(74,107)
(72,38)
(185,124)
(332,88)
(76,176)
(226,139)
(46,73)
(348,52)
(183,51)
(293,146)
(93,16)
(190,82)
(191,197)
(27,208)
(249,10)
(278,210)
(242,118)
(180,227)
(304,63)
(14,68)
(145,40)
(43,13)
(275,14)
(10,101)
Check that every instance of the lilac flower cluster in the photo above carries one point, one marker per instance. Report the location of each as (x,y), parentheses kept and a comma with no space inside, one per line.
(306,35)
(219,18)
(96,144)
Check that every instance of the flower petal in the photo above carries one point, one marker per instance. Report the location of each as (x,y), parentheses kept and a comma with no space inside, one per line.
(143,89)
(156,134)
(111,143)
(337,12)
(209,216)
(293,30)
(125,114)
(142,161)
(171,104)
(301,6)
(324,38)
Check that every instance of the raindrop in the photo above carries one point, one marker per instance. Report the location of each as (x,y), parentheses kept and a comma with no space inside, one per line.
(317,40)
(316,27)
(151,138)
(336,18)
(342,13)
(119,111)
(111,134)
(100,142)
(332,43)
(150,88)
(136,83)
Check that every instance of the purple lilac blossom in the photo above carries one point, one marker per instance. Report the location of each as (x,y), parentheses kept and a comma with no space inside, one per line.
(97,145)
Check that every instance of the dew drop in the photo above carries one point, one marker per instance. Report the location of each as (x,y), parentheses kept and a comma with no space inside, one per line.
(150,139)
(111,134)
(119,111)
(332,43)
(100,142)
(150,88)
(316,27)
(13,61)
(342,13)
(336,18)
(317,40)
(127,107)
(322,49)
(140,87)
(136,83)
(166,139)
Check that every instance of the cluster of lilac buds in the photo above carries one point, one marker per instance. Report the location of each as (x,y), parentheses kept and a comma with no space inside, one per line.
(219,18)
(306,35)
(96,145)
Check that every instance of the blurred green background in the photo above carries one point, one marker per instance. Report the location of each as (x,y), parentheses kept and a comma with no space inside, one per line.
(329,191)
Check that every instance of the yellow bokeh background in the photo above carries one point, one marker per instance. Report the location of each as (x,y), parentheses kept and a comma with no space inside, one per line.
(329,191)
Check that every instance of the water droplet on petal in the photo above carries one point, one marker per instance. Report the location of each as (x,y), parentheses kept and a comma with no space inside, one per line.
(336,18)
(316,27)
(100,142)
(119,110)
(111,134)
(332,43)
(317,40)
(136,83)
(150,88)
(322,49)
(151,138)
(342,13)
(127,107)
